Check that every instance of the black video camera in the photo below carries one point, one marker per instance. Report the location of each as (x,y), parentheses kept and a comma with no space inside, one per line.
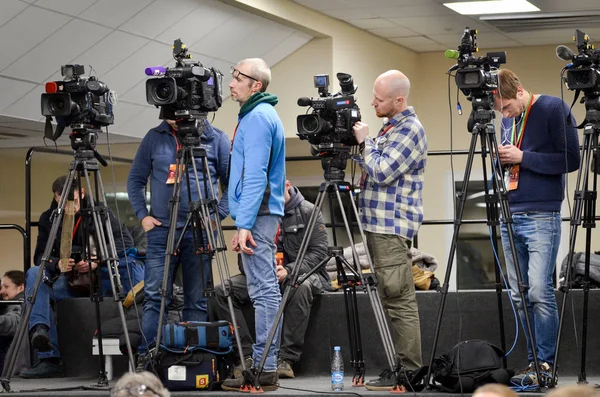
(475,74)
(77,102)
(584,74)
(333,116)
(187,90)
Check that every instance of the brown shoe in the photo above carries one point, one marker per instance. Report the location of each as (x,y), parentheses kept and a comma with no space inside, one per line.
(269,381)
(284,369)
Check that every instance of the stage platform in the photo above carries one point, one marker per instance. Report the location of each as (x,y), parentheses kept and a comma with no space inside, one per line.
(467,315)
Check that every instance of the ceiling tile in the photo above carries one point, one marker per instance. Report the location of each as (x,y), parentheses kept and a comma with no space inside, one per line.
(372,23)
(125,111)
(69,7)
(10,8)
(414,41)
(119,45)
(385,3)
(198,23)
(427,48)
(420,10)
(158,17)
(285,48)
(54,52)
(267,36)
(397,31)
(349,13)
(13,90)
(434,24)
(139,125)
(46,22)
(28,106)
(113,12)
(219,42)
(322,4)
(130,72)
(561,5)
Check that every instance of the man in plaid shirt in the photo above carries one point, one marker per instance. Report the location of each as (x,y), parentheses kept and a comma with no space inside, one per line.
(391,202)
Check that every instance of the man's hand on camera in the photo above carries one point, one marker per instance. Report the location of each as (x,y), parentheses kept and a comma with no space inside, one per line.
(509,154)
(243,236)
(149,222)
(361,131)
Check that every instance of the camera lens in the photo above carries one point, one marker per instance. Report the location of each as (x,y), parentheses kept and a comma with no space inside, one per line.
(164,91)
(310,124)
(56,106)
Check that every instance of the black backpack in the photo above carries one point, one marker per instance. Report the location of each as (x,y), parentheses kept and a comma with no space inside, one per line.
(468,365)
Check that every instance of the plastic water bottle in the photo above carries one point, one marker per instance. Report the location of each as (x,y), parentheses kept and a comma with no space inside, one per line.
(337,370)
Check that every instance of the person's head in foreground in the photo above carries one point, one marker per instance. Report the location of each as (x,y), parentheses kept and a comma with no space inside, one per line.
(494,390)
(139,384)
(575,391)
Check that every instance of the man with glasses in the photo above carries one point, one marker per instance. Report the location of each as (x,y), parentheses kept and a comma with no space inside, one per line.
(256,202)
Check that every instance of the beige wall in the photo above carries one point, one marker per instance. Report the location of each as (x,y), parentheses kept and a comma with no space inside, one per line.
(337,47)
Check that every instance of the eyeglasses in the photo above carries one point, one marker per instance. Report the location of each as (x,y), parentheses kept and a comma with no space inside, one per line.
(139,390)
(236,73)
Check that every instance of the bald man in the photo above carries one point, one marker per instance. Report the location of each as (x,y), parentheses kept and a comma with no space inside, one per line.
(393,165)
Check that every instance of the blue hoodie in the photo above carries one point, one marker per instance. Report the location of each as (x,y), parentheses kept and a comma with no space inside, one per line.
(153,158)
(257,171)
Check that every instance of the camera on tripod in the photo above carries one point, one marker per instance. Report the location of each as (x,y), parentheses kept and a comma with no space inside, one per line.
(186,92)
(333,115)
(476,77)
(584,74)
(77,102)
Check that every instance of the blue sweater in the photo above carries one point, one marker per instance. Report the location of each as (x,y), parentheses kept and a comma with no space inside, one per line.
(550,148)
(153,158)
(257,171)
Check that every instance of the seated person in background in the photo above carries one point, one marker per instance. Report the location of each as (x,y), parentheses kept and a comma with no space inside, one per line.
(297,212)
(139,384)
(13,284)
(59,285)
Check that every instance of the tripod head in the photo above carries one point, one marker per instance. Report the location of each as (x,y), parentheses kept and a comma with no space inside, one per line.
(190,129)
(334,157)
(483,109)
(83,141)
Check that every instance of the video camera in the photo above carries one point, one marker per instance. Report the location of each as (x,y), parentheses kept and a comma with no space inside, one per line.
(187,90)
(77,102)
(476,77)
(584,72)
(333,116)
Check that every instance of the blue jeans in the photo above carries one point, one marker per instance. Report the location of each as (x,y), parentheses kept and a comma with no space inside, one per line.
(536,237)
(194,308)
(263,288)
(42,312)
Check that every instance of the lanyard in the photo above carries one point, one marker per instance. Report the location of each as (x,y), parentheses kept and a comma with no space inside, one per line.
(383,132)
(519,137)
(76,227)
(233,139)
(176,140)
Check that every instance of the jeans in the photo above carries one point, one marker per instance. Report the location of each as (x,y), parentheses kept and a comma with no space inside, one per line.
(263,287)
(196,275)
(536,238)
(42,312)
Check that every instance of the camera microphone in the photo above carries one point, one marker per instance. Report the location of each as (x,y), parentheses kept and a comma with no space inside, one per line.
(564,53)
(155,71)
(452,54)
(304,101)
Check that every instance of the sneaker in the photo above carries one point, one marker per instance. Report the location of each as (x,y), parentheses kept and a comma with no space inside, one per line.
(268,381)
(44,369)
(40,338)
(386,381)
(237,370)
(528,376)
(284,369)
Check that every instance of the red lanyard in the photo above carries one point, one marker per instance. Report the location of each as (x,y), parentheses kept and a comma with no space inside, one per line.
(382,133)
(176,140)
(519,137)
(75,228)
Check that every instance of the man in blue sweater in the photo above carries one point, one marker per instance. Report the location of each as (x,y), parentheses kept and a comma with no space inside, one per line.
(256,202)
(539,144)
(155,158)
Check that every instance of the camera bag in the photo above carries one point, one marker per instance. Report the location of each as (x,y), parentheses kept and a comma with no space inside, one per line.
(194,355)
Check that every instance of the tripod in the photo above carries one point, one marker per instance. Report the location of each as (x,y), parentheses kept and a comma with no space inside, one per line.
(481,127)
(207,233)
(83,140)
(334,163)
(584,212)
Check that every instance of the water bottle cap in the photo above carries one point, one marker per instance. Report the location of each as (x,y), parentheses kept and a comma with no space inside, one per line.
(336,348)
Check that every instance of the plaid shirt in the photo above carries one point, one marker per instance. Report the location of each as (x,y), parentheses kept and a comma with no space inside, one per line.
(391,200)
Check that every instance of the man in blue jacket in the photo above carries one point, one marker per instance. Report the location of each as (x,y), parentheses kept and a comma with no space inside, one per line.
(155,159)
(256,202)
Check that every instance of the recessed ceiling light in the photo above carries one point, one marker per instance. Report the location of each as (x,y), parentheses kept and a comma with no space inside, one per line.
(491,7)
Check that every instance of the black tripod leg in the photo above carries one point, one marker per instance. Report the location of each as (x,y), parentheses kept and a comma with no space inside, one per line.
(457,223)
(582,201)
(23,327)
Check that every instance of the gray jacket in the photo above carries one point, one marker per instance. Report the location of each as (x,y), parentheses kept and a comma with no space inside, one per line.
(9,322)
(293,228)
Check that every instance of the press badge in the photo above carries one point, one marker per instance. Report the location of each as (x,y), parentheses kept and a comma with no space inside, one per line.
(511,177)
(172,172)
